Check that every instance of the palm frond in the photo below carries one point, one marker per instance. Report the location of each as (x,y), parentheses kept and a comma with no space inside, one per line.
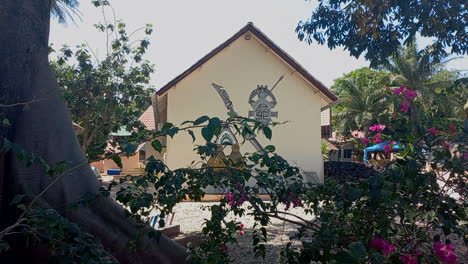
(64,10)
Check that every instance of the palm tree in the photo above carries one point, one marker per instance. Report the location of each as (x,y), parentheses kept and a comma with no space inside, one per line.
(63,10)
(418,70)
(362,106)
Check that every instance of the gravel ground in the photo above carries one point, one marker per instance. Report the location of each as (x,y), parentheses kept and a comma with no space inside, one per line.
(191,215)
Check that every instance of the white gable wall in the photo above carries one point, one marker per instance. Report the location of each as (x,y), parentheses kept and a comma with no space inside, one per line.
(239,68)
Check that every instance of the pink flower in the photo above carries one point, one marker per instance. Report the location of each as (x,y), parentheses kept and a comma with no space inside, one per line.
(387,148)
(445,253)
(241,226)
(404,105)
(365,141)
(229,196)
(399,90)
(445,145)
(408,259)
(465,155)
(382,245)
(292,197)
(297,203)
(232,203)
(241,233)
(410,94)
(377,138)
(453,127)
(377,127)
(433,131)
(241,200)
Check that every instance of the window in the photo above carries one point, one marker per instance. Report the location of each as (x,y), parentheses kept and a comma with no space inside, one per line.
(347,153)
(142,154)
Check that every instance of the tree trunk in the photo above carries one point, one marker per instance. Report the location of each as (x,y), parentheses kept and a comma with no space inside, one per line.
(45,128)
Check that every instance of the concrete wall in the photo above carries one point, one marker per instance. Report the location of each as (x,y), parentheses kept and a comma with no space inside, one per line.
(239,69)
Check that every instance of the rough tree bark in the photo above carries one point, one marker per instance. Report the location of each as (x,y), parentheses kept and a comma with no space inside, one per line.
(46,129)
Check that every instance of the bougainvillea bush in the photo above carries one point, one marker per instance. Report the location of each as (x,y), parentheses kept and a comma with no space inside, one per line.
(405,215)
(408,214)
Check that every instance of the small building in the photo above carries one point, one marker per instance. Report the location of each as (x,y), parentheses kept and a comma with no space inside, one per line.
(247,65)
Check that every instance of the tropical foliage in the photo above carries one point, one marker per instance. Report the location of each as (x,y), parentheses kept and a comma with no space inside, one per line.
(105,95)
(377,28)
(405,214)
(363,91)
(64,10)
(362,101)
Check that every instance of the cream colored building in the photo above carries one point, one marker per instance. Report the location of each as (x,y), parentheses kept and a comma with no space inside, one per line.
(246,60)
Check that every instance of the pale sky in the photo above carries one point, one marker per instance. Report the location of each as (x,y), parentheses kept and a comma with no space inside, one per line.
(186,30)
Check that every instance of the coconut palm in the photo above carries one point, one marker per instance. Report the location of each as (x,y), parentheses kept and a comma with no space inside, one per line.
(362,106)
(421,72)
(63,10)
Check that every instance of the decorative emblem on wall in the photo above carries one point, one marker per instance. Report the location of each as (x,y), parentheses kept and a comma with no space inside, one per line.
(263,104)
(226,137)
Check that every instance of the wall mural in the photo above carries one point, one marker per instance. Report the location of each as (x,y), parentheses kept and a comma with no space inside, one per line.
(262,101)
(226,137)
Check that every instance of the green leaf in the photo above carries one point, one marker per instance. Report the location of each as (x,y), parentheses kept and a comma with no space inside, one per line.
(201,120)
(5,122)
(117,160)
(270,148)
(17,199)
(207,134)
(172,131)
(191,134)
(166,126)
(186,122)
(267,132)
(358,251)
(215,123)
(377,258)
(4,245)
(156,144)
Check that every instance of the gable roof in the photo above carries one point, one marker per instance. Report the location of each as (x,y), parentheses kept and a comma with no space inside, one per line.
(268,42)
(147,118)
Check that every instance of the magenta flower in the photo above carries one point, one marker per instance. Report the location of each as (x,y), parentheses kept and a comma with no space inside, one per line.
(365,141)
(404,105)
(241,200)
(453,127)
(408,259)
(377,138)
(382,245)
(297,203)
(377,127)
(387,148)
(410,94)
(241,226)
(241,233)
(229,196)
(445,253)
(399,90)
(465,155)
(433,131)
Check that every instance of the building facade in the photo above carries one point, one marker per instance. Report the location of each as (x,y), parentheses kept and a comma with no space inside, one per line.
(247,66)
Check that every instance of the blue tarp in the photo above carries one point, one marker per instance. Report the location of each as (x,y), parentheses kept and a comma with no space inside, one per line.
(380,147)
